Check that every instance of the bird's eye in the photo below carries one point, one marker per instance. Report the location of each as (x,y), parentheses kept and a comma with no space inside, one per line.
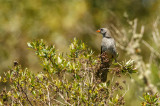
(101,29)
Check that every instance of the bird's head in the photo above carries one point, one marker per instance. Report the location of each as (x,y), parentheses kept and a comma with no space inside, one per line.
(104,31)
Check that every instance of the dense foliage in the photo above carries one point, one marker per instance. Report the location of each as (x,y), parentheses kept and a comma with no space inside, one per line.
(133,23)
(66,79)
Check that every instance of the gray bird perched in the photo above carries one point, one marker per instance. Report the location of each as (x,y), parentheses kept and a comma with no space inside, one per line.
(108,52)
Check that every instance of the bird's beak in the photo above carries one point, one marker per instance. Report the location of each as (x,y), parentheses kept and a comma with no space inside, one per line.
(98,30)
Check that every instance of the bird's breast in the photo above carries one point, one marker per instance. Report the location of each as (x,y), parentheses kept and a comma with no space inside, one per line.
(108,45)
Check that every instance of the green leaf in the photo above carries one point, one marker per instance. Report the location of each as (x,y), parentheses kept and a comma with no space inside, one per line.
(29,44)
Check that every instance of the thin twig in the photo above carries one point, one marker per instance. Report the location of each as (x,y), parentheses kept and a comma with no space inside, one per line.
(59,102)
(151,48)
(151,58)
(26,95)
(126,91)
(49,101)
(20,103)
(92,78)
(20,87)
(64,99)
(112,78)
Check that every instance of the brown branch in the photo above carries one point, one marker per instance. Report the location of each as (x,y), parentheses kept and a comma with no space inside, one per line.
(26,96)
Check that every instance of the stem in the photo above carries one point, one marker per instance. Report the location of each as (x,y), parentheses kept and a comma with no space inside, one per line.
(63,98)
(26,96)
(49,101)
(59,102)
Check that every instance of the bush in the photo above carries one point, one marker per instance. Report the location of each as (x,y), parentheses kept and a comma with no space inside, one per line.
(150,100)
(68,79)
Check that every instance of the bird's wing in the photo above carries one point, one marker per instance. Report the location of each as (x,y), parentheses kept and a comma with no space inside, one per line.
(114,52)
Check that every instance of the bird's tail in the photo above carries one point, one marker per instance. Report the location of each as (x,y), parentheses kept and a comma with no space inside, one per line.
(104,67)
(102,72)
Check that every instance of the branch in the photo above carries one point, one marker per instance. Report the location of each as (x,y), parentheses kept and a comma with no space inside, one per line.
(26,96)
(59,102)
(64,99)
(126,91)
(151,48)
(49,101)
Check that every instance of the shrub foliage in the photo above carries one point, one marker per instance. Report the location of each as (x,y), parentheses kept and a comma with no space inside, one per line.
(66,79)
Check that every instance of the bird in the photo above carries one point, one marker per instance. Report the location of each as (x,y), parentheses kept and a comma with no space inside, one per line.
(108,53)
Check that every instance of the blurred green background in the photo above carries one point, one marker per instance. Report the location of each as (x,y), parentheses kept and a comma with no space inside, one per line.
(58,21)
